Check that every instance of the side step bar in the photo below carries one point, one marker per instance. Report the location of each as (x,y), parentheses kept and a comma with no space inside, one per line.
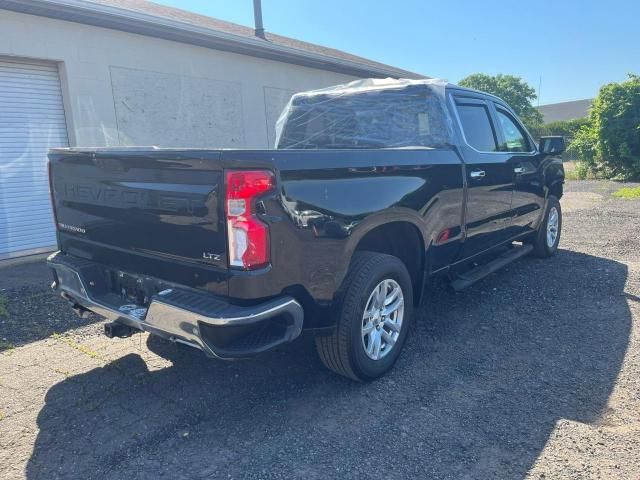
(472,276)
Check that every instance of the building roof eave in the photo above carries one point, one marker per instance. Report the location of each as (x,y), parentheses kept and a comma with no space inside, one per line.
(115,18)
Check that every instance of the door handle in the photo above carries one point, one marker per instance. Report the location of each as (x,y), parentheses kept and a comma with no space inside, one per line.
(519,170)
(477,174)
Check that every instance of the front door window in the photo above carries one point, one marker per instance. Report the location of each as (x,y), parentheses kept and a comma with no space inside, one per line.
(515,140)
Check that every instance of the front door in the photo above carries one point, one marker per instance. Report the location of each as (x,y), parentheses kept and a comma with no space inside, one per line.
(489,177)
(529,193)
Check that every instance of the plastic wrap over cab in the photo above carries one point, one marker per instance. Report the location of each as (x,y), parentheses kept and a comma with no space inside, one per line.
(369,113)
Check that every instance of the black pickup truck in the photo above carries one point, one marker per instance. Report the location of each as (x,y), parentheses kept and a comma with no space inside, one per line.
(374,188)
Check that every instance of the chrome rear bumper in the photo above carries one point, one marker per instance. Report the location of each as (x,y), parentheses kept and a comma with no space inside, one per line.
(212,324)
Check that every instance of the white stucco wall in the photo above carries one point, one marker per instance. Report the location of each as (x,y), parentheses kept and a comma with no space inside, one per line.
(126,89)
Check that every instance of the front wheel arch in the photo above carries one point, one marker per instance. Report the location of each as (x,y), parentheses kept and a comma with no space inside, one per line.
(556,189)
(541,249)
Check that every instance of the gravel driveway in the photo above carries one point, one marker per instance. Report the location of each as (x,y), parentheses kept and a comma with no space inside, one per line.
(533,372)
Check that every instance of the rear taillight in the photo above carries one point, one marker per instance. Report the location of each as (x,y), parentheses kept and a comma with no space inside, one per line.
(247,235)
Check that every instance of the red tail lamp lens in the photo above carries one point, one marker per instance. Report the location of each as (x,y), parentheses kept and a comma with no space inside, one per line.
(247,235)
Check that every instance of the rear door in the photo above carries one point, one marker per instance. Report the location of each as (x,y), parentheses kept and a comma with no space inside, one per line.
(489,176)
(522,156)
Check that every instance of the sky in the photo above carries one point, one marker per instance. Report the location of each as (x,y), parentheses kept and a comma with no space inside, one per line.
(566,49)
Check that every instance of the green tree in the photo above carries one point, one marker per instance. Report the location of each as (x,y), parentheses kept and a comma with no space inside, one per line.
(610,142)
(513,90)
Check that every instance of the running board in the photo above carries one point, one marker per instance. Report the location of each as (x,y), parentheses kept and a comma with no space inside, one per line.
(478,273)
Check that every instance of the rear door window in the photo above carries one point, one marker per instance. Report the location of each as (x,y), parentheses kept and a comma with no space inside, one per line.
(477,126)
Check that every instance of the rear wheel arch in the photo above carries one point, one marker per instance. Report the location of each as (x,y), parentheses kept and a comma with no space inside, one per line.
(343,349)
(402,239)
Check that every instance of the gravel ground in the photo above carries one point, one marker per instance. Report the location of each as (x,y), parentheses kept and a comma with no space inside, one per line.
(532,373)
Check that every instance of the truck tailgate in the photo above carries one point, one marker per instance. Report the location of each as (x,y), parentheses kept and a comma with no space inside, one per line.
(146,202)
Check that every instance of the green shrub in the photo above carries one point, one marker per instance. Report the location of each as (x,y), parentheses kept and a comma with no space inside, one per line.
(610,142)
(565,128)
(577,170)
(582,170)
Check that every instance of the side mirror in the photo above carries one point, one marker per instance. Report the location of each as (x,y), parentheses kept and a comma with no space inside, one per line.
(551,145)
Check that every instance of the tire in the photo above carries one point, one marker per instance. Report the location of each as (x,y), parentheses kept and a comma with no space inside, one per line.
(349,350)
(542,245)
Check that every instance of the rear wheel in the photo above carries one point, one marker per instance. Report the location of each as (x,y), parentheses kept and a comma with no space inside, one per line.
(545,243)
(375,311)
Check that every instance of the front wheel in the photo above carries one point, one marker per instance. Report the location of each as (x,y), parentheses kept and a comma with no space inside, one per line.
(545,243)
(375,311)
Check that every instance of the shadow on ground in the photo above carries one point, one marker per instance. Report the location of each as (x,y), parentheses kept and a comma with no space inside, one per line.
(31,310)
(485,377)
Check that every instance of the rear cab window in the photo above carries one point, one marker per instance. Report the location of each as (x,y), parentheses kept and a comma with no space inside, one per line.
(404,117)
(477,127)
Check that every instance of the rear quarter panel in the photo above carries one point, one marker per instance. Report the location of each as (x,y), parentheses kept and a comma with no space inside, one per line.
(328,200)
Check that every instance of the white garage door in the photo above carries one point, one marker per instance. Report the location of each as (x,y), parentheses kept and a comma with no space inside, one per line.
(31,121)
